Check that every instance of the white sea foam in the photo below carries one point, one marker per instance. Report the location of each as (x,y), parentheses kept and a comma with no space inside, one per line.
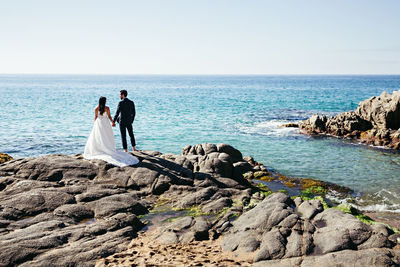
(272,127)
(381,201)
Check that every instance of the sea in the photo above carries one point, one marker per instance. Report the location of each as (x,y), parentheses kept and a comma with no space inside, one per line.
(46,114)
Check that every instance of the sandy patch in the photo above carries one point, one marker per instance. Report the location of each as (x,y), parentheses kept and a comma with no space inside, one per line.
(145,251)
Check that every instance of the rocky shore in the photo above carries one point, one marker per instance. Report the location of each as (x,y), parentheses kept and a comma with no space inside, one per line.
(376,121)
(205,207)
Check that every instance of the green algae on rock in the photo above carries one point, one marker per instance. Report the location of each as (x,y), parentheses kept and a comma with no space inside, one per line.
(5,157)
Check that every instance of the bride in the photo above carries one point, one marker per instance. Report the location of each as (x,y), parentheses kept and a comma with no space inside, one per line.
(101,143)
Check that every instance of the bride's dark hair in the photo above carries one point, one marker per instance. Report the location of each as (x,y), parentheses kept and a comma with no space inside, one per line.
(102,104)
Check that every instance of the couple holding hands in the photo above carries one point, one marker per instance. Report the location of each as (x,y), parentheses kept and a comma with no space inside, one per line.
(101,143)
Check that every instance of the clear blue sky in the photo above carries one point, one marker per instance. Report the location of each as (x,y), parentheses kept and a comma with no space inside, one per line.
(200,37)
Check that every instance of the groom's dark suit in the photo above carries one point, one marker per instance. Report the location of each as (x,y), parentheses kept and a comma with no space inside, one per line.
(125,116)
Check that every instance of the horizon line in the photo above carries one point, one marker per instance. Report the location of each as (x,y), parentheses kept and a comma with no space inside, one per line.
(211,74)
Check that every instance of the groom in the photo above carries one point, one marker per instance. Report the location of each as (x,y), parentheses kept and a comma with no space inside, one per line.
(127,109)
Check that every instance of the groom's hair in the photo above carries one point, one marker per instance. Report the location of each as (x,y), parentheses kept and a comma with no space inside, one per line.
(124,92)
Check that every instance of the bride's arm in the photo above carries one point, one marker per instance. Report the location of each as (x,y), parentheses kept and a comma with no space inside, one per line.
(109,115)
(96,113)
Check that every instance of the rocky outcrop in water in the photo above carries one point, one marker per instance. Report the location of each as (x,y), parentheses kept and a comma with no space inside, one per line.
(376,121)
(60,210)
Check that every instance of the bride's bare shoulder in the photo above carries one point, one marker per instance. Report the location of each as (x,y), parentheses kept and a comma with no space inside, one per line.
(96,108)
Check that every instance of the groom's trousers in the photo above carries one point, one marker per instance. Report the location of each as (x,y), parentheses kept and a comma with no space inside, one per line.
(123,127)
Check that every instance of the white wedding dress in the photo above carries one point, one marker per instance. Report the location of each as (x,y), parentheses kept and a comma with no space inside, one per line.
(101,145)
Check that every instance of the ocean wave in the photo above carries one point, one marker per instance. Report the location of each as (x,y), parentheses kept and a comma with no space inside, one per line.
(381,201)
(268,128)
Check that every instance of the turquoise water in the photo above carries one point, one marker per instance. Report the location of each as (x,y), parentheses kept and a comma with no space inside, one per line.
(42,114)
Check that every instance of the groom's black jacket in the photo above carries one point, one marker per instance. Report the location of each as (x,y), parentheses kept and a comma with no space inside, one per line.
(125,112)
